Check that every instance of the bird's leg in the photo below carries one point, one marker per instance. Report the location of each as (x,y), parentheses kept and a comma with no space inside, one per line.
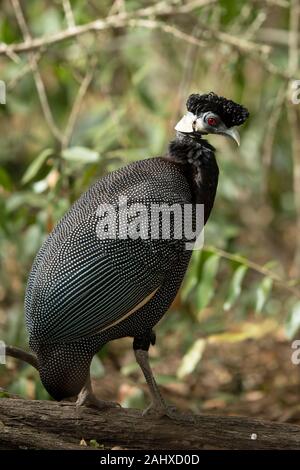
(87,397)
(158,405)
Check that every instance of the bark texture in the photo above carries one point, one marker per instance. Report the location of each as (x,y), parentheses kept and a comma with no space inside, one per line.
(49,425)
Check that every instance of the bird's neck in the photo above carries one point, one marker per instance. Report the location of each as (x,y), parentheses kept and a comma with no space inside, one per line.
(198,161)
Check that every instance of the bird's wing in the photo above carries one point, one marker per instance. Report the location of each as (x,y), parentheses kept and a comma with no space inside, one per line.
(100,290)
(90,284)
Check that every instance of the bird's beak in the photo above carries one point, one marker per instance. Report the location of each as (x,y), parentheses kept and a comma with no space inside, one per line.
(233,134)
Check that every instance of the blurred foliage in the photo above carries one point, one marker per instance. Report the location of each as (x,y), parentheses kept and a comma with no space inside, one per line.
(140,78)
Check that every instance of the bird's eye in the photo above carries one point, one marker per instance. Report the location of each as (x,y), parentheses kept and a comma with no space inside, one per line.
(212,121)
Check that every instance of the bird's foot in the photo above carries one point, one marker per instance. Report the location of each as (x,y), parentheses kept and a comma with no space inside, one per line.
(160,410)
(92,400)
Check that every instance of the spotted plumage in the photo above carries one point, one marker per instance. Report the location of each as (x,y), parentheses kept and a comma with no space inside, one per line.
(84,290)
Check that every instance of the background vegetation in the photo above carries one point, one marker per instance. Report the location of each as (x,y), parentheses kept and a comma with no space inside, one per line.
(91,96)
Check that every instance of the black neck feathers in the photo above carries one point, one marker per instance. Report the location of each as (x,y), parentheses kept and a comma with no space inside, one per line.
(194,151)
(198,159)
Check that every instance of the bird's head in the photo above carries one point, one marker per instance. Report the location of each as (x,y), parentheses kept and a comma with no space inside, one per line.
(212,114)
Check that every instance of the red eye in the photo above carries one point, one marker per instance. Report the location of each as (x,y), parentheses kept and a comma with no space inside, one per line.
(211,121)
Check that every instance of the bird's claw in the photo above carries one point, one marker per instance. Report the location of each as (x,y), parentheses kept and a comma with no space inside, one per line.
(170,411)
(103,405)
(91,400)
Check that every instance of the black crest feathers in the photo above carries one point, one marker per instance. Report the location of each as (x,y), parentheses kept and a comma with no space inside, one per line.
(231,113)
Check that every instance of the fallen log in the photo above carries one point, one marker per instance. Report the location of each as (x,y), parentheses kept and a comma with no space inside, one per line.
(27,424)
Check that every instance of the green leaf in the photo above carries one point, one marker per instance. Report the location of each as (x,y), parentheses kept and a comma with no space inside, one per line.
(235,286)
(206,289)
(292,323)
(95,444)
(191,278)
(36,165)
(191,359)
(5,180)
(190,283)
(80,154)
(97,369)
(263,293)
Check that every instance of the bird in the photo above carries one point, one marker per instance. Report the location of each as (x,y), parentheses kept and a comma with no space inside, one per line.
(86,289)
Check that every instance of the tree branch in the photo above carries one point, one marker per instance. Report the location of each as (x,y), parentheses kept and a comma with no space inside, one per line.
(286,285)
(25,356)
(33,61)
(270,134)
(68,13)
(114,21)
(145,17)
(77,106)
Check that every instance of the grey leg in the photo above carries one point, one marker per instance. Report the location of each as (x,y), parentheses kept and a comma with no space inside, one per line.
(87,397)
(158,405)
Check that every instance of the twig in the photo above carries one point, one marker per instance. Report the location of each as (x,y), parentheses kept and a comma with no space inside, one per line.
(145,17)
(117,7)
(155,24)
(187,72)
(173,7)
(25,356)
(256,25)
(114,21)
(21,74)
(278,3)
(36,73)
(76,107)
(123,18)
(13,56)
(259,52)
(274,36)
(270,133)
(73,116)
(240,43)
(68,13)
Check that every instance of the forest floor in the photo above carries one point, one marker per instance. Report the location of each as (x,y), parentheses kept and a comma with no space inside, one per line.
(254,378)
